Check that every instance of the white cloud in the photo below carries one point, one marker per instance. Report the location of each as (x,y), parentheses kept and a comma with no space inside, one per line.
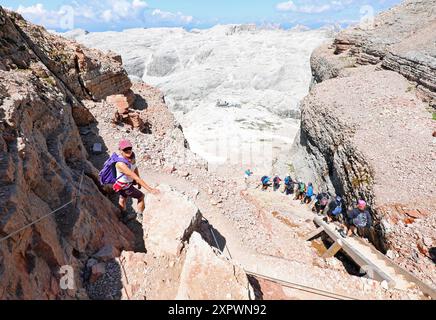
(107,16)
(286,6)
(103,14)
(60,18)
(314,9)
(165,15)
(37,9)
(138,4)
(312,6)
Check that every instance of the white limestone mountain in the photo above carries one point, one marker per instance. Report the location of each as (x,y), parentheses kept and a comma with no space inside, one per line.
(234,88)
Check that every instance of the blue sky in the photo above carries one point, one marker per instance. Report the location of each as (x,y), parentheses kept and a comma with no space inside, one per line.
(102,15)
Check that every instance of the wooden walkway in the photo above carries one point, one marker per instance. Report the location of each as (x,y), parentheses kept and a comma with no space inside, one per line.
(374,263)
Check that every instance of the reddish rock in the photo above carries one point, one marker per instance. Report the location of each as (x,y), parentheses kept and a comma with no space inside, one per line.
(134,272)
(134,119)
(120,102)
(97,271)
(82,116)
(415,214)
(225,281)
(422,249)
(181,218)
(408,220)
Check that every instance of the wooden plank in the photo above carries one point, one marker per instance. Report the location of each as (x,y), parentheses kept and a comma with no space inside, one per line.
(334,248)
(314,234)
(356,256)
(425,288)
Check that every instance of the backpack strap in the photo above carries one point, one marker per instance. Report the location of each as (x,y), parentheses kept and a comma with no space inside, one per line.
(126,162)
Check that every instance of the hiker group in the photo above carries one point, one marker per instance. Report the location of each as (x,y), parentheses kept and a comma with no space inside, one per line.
(120,171)
(333,208)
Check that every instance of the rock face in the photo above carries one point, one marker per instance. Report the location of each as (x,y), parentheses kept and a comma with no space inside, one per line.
(207,276)
(134,266)
(85,72)
(401,39)
(169,221)
(367,130)
(42,160)
(179,264)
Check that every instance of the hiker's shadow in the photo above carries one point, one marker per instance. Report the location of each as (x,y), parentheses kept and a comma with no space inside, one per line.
(432,253)
(136,227)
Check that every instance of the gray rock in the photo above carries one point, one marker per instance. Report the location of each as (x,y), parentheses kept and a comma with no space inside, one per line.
(91,262)
(108,252)
(97,148)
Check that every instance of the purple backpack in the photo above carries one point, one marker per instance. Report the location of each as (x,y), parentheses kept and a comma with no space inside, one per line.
(108,175)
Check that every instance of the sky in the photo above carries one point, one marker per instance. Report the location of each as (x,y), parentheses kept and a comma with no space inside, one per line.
(117,15)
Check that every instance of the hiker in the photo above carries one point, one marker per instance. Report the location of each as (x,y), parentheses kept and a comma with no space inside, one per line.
(123,174)
(357,219)
(247,174)
(301,190)
(336,207)
(276,183)
(309,194)
(265,182)
(321,202)
(289,186)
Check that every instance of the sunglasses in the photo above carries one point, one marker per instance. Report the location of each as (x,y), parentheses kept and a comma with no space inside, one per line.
(127,150)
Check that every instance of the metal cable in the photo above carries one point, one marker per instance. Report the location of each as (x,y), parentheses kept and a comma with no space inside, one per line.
(44,216)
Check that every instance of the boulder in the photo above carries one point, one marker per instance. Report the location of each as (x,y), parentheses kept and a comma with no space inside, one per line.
(169,220)
(120,102)
(134,273)
(82,116)
(206,275)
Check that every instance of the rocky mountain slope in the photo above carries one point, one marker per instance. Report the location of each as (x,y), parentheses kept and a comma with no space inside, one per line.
(367,128)
(43,159)
(49,89)
(63,109)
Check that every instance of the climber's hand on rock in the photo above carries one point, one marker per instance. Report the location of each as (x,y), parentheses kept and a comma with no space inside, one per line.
(155,192)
